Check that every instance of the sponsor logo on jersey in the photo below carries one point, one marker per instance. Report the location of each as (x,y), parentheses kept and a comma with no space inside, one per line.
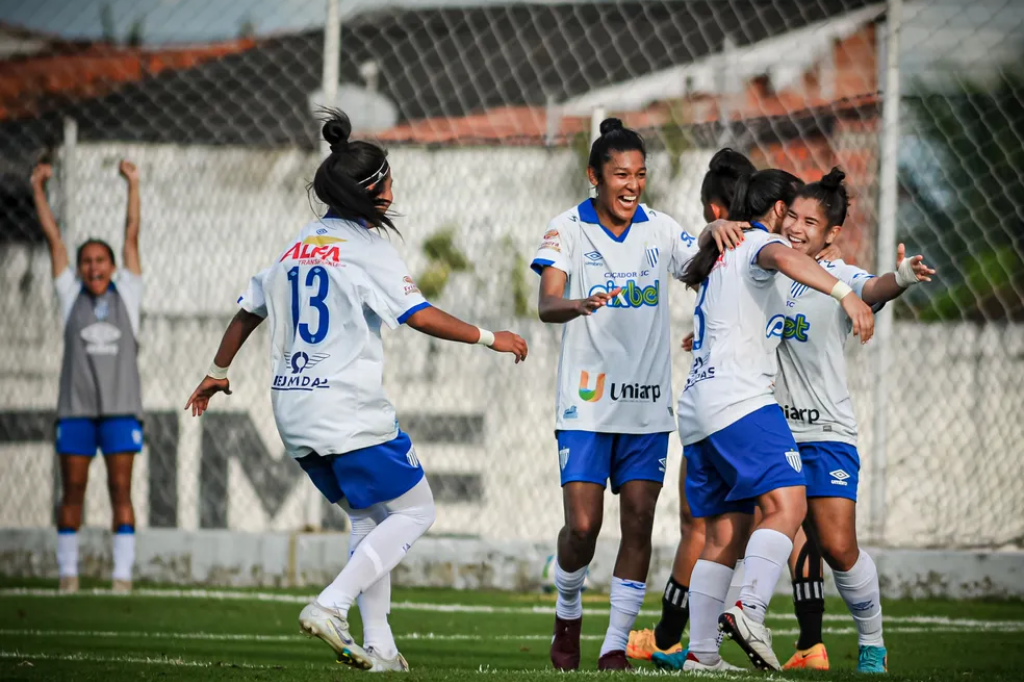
(318,249)
(297,379)
(635,393)
(776,326)
(410,286)
(801,414)
(793,457)
(839,477)
(588,394)
(796,328)
(100,338)
(700,370)
(633,295)
(300,362)
(570,413)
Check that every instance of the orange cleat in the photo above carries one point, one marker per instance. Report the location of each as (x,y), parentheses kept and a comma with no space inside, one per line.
(815,658)
(642,645)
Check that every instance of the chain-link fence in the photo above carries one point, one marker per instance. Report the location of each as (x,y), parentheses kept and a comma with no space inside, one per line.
(487,111)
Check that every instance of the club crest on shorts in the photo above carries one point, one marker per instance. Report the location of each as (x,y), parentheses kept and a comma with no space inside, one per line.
(563,458)
(793,457)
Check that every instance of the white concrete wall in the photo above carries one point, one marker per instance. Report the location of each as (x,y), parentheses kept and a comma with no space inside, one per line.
(213,217)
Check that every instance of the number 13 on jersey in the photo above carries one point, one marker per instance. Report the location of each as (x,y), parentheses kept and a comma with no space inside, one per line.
(309,295)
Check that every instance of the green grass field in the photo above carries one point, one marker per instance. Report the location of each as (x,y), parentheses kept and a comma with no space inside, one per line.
(452,635)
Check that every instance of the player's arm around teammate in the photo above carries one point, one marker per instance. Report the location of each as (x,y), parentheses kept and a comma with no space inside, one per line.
(100,405)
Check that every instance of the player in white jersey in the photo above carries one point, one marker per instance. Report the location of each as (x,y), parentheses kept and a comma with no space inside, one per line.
(326,297)
(812,390)
(604,267)
(740,452)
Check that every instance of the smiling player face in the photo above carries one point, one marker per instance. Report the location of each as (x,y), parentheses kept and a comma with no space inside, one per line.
(622,182)
(806,227)
(95,269)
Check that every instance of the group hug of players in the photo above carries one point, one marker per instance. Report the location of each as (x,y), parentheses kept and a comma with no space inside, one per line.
(769,327)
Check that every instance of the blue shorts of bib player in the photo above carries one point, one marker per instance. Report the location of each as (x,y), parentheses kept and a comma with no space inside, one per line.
(593,457)
(831,469)
(111,435)
(727,471)
(364,477)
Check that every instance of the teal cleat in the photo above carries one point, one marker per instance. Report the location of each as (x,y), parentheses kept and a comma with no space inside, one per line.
(673,661)
(873,659)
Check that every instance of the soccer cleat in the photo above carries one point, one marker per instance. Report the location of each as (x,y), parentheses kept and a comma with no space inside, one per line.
(398,664)
(121,587)
(693,665)
(613,660)
(815,658)
(753,637)
(68,585)
(675,660)
(642,645)
(565,645)
(872,659)
(330,626)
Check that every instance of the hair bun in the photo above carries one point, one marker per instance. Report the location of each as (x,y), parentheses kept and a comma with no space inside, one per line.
(730,163)
(337,129)
(610,124)
(834,179)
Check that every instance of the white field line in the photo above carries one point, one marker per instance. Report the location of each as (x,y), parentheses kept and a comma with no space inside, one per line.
(145,660)
(430,636)
(239,595)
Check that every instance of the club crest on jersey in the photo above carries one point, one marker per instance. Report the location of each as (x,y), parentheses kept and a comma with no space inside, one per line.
(793,457)
(588,394)
(317,249)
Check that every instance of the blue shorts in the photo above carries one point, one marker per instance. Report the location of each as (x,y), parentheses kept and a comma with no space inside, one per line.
(595,457)
(112,435)
(365,477)
(832,469)
(729,469)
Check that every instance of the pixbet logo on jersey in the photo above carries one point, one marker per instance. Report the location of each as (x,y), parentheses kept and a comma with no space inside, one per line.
(319,249)
(633,295)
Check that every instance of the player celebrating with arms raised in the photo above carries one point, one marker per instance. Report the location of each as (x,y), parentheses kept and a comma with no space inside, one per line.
(604,267)
(813,393)
(326,298)
(739,449)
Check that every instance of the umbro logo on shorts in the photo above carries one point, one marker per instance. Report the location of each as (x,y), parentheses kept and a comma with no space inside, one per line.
(839,477)
(793,457)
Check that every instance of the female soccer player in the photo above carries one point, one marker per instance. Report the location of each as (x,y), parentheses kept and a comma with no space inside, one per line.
(716,194)
(100,403)
(812,390)
(739,449)
(605,262)
(326,297)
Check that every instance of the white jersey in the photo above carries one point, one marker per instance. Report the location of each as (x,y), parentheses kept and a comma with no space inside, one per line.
(811,387)
(325,299)
(615,370)
(734,341)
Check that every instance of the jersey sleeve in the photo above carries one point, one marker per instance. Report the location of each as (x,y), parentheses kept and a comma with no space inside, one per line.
(253,299)
(129,288)
(393,293)
(852,275)
(756,272)
(554,251)
(684,248)
(68,288)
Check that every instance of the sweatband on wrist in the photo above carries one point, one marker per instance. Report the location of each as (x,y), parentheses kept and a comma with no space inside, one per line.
(905,276)
(217,372)
(486,337)
(840,290)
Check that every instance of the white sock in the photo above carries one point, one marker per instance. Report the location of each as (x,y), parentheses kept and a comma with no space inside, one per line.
(569,605)
(67,553)
(375,602)
(409,517)
(767,554)
(859,589)
(709,585)
(124,552)
(735,585)
(627,597)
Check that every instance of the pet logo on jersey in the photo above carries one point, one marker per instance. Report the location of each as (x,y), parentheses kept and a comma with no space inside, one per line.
(776,326)
(300,362)
(588,394)
(793,457)
(318,249)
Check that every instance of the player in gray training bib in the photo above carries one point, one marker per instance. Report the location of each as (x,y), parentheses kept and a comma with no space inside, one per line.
(100,403)
(811,388)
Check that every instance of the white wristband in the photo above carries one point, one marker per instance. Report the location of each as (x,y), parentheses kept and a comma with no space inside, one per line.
(486,337)
(905,276)
(841,290)
(217,372)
